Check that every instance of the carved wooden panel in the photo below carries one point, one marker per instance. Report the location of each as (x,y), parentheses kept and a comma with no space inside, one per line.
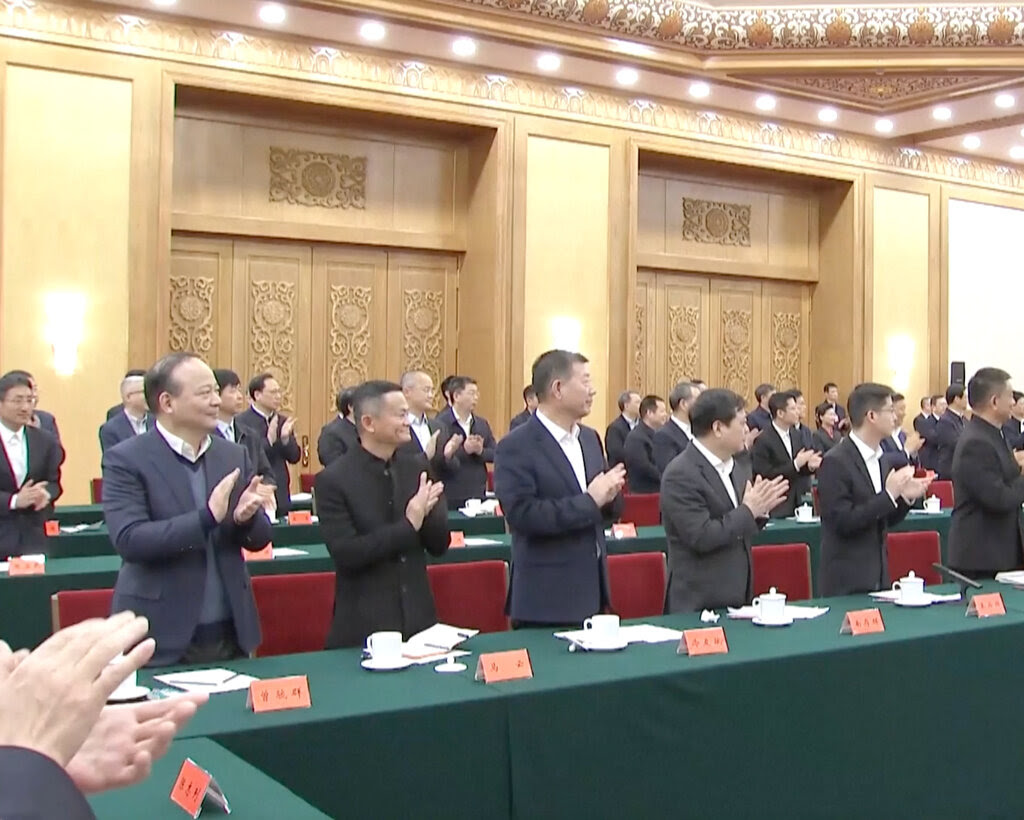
(736,335)
(199,297)
(787,335)
(715,223)
(644,359)
(317,179)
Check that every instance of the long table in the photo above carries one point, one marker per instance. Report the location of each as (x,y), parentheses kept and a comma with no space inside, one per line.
(792,722)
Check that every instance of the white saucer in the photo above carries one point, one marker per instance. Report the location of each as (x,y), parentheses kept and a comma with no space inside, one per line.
(922,601)
(386,666)
(814,519)
(593,646)
(450,667)
(129,695)
(759,622)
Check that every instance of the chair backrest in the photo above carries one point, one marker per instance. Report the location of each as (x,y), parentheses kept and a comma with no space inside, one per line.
(96,490)
(306,481)
(942,490)
(471,594)
(817,503)
(71,606)
(915,551)
(787,567)
(295,611)
(641,509)
(637,582)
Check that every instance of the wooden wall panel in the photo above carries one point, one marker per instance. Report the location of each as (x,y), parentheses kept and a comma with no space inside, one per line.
(736,335)
(644,373)
(199,298)
(684,338)
(786,336)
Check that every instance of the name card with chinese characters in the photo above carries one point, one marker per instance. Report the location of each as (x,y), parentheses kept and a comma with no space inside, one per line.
(709,641)
(26,566)
(265,554)
(862,622)
(300,517)
(985,606)
(52,527)
(624,530)
(192,786)
(495,667)
(277,694)
(457,538)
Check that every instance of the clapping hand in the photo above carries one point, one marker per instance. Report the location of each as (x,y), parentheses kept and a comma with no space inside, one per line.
(423,501)
(32,495)
(272,429)
(897,482)
(913,443)
(750,437)
(916,488)
(762,496)
(474,444)
(250,501)
(452,446)
(607,485)
(286,429)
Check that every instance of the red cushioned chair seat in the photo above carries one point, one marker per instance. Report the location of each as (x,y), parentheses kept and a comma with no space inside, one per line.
(96,490)
(915,551)
(71,606)
(641,509)
(471,594)
(295,611)
(637,584)
(787,567)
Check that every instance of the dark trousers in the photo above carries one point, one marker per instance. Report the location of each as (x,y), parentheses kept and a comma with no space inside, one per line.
(213,642)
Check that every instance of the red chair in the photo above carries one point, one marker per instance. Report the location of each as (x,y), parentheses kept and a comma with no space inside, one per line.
(306,481)
(915,551)
(295,611)
(71,606)
(817,503)
(490,479)
(471,594)
(787,567)
(942,490)
(96,490)
(641,509)
(637,582)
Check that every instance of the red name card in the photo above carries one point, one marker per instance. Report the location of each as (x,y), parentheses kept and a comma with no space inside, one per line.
(624,530)
(52,527)
(985,606)
(300,517)
(277,694)
(495,667)
(457,539)
(862,622)
(23,566)
(265,554)
(709,641)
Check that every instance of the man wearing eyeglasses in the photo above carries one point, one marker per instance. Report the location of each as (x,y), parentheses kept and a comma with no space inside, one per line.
(132,421)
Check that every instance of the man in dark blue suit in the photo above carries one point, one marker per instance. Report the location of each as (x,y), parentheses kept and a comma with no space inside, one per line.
(948,429)
(276,430)
(41,420)
(1013,430)
(676,435)
(558,495)
(113,411)
(530,400)
(926,428)
(761,417)
(468,476)
(180,505)
(133,420)
(898,448)
(622,426)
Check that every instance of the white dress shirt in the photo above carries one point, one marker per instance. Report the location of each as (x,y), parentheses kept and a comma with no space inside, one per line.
(420,428)
(182,447)
(138,425)
(896,440)
(16,447)
(466,424)
(684,426)
(787,442)
(631,422)
(723,468)
(873,461)
(227,429)
(569,441)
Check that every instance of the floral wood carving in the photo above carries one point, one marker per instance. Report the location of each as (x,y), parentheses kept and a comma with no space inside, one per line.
(316,179)
(350,336)
(716,223)
(736,350)
(639,347)
(785,349)
(683,343)
(879,90)
(191,327)
(273,334)
(422,328)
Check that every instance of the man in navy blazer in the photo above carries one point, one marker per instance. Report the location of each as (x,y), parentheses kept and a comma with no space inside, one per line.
(899,449)
(530,402)
(558,495)
(276,431)
(622,426)
(761,417)
(468,478)
(948,429)
(133,420)
(676,435)
(181,504)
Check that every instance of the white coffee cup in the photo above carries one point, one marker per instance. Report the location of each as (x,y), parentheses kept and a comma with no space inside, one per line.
(602,628)
(910,588)
(770,606)
(473,503)
(385,646)
(932,504)
(804,513)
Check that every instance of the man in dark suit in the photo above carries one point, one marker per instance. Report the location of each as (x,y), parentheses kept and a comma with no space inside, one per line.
(181,504)
(232,403)
(930,448)
(380,514)
(1013,430)
(530,400)
(948,429)
(117,408)
(900,449)
(675,435)
(468,478)
(277,432)
(860,496)
(41,420)
(776,453)
(642,473)
(831,391)
(761,417)
(628,418)
(431,437)
(923,419)
(339,435)
(802,434)
(30,473)
(558,495)
(712,507)
(985,535)
(133,420)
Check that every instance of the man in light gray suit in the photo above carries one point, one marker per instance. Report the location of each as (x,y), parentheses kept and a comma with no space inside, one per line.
(711,508)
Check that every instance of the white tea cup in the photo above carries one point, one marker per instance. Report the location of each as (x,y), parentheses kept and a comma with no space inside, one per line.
(473,503)
(932,504)
(804,513)
(770,606)
(602,628)
(385,646)
(910,588)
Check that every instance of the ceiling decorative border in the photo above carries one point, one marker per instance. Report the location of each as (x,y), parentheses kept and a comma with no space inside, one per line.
(170,40)
(704,29)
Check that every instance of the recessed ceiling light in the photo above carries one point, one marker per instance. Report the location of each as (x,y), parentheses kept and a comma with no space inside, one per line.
(828,114)
(463,47)
(627,76)
(766,102)
(272,14)
(883,126)
(972,142)
(373,30)
(1017,152)
(942,113)
(1005,101)
(549,62)
(699,90)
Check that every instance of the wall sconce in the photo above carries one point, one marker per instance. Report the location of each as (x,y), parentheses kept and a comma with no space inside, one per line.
(900,351)
(65,325)
(565,333)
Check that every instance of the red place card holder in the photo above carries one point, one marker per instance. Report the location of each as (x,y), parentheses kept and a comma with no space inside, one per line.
(265,554)
(495,667)
(52,527)
(862,622)
(192,786)
(709,641)
(624,530)
(278,694)
(985,606)
(456,538)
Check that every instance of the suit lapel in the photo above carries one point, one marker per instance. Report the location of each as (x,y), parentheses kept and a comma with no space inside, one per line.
(10,467)
(164,460)
(712,477)
(853,454)
(556,455)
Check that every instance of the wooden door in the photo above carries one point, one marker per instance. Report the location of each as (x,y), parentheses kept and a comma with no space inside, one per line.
(198,319)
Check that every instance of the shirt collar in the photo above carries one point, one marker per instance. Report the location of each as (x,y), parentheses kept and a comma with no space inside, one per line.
(724,467)
(631,422)
(260,413)
(226,428)
(684,426)
(418,421)
(466,422)
(182,447)
(558,433)
(866,452)
(783,434)
(132,418)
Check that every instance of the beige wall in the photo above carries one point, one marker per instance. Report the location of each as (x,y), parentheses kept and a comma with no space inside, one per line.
(66,169)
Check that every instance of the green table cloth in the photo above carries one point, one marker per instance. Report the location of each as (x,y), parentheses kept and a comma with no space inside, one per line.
(920,721)
(69,514)
(250,793)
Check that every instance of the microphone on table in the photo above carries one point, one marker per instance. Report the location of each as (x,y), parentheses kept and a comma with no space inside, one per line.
(962,580)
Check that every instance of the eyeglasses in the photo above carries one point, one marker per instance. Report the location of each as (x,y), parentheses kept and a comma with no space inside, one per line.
(21,401)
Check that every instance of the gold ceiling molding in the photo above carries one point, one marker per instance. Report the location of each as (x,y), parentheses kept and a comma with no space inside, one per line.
(700,28)
(202,46)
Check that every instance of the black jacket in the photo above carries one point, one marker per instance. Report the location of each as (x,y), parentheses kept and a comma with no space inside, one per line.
(279,454)
(771,459)
(642,473)
(669,442)
(615,440)
(24,531)
(337,437)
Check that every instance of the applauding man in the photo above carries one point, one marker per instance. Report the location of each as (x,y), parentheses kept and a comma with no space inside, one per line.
(181,504)
(861,495)
(277,433)
(558,495)
(712,508)
(380,514)
(779,452)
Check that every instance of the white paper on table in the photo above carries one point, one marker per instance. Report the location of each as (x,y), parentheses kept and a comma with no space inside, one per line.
(797,613)
(75,528)
(480,542)
(637,633)
(927,512)
(284,552)
(439,639)
(1015,577)
(212,681)
(892,595)
(300,497)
